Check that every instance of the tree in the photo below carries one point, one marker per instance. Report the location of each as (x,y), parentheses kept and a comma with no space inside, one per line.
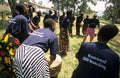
(12,4)
(75,5)
(114,9)
(2,1)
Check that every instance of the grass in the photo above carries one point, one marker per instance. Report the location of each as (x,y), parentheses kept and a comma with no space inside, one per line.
(69,62)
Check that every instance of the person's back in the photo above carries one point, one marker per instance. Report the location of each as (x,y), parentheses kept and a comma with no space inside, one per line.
(41,38)
(61,19)
(55,16)
(79,18)
(18,25)
(85,24)
(86,20)
(94,21)
(48,15)
(20,30)
(97,59)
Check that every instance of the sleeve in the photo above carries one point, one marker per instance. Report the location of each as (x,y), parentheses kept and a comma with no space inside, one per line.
(24,24)
(8,28)
(80,52)
(98,23)
(54,47)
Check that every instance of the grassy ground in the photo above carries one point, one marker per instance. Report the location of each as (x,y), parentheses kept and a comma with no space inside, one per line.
(70,62)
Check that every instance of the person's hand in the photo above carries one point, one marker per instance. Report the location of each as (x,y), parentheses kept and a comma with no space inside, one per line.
(52,57)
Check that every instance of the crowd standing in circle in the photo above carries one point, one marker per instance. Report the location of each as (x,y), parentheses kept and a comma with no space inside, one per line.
(35,41)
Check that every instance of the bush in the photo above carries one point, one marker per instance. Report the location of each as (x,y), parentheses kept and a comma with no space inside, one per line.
(118,21)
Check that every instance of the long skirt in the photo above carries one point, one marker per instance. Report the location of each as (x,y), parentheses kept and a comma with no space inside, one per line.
(30,62)
(64,40)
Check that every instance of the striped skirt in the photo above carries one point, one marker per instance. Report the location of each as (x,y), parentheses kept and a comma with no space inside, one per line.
(30,62)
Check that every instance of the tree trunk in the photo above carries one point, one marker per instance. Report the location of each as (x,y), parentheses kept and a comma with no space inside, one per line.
(12,4)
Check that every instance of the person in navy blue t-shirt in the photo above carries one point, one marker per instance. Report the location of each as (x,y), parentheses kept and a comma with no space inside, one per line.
(55,16)
(48,15)
(18,25)
(29,58)
(97,59)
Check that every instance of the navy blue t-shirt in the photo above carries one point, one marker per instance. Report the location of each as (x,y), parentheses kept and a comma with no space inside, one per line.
(54,17)
(93,22)
(43,38)
(66,23)
(18,27)
(96,60)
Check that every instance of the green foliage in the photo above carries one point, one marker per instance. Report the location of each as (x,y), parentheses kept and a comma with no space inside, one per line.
(112,10)
(75,5)
(2,1)
(118,21)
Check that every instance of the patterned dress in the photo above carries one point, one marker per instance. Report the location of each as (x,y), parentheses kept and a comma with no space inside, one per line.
(64,36)
(64,40)
(31,63)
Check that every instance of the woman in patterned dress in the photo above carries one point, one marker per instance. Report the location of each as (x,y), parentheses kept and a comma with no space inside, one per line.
(64,34)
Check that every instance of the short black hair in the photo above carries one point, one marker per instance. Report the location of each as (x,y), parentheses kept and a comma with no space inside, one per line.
(39,13)
(108,32)
(49,23)
(20,7)
(36,19)
(69,12)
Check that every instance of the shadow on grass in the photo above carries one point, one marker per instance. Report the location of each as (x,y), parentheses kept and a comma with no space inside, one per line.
(72,36)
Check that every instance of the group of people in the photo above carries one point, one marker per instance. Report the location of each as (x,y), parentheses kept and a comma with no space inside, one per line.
(95,58)
(66,23)
(30,60)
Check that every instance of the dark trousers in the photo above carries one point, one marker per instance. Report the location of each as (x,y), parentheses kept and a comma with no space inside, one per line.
(84,28)
(70,30)
(78,29)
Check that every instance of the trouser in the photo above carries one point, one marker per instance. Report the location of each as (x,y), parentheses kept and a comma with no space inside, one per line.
(70,30)
(84,28)
(77,29)
(90,32)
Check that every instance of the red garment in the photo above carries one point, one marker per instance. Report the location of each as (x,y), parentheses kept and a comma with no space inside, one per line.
(90,32)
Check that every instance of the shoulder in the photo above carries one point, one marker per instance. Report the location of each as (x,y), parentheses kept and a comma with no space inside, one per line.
(113,54)
(88,44)
(47,32)
(21,17)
